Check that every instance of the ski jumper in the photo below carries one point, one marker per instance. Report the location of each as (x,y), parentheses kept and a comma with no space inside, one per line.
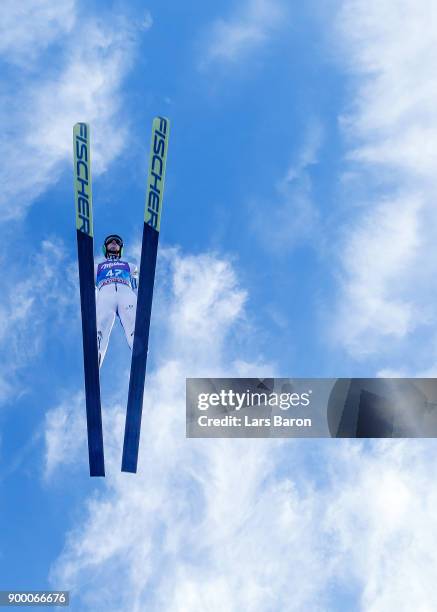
(116,284)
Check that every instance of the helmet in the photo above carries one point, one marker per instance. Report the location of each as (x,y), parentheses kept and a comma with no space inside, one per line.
(108,239)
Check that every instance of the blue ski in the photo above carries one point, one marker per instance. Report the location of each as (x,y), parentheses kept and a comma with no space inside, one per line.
(149,248)
(85,254)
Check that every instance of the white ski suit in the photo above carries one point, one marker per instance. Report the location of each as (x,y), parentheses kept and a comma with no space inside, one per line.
(116,284)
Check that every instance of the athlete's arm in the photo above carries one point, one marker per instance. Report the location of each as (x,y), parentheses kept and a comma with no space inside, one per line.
(134,276)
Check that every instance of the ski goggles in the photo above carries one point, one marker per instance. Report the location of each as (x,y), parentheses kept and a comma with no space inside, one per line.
(117,239)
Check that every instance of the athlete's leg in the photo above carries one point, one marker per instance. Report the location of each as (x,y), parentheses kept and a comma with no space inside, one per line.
(127,307)
(106,306)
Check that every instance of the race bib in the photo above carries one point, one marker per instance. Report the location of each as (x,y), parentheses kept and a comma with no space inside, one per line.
(113,272)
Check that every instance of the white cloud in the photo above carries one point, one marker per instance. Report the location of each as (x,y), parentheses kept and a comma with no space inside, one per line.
(207,301)
(30,26)
(61,449)
(78,79)
(380,512)
(223,524)
(388,248)
(292,218)
(376,301)
(147,21)
(200,508)
(247,29)
(25,307)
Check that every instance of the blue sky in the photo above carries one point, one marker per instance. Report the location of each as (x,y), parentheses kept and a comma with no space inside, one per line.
(298,239)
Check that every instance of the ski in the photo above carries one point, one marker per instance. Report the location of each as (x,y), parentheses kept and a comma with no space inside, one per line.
(85,254)
(149,248)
